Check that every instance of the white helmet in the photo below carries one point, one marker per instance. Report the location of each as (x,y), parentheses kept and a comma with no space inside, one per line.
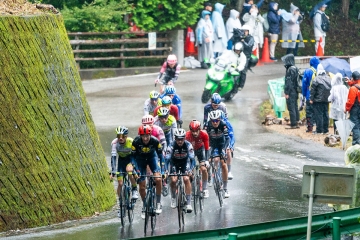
(147,119)
(245,27)
(238,47)
(179,133)
(215,114)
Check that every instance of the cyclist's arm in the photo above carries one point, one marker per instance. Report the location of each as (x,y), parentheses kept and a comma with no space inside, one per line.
(162,139)
(173,128)
(113,156)
(191,156)
(161,157)
(177,73)
(162,70)
(227,137)
(206,112)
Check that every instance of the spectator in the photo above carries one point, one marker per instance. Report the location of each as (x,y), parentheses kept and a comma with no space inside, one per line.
(204,38)
(353,106)
(255,21)
(319,95)
(290,89)
(246,8)
(291,31)
(274,19)
(208,6)
(232,23)
(338,97)
(220,37)
(309,75)
(318,32)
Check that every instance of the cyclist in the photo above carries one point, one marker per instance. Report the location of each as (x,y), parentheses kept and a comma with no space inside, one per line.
(146,150)
(167,123)
(173,109)
(152,102)
(219,142)
(181,156)
(199,139)
(230,149)
(156,130)
(171,69)
(170,91)
(122,146)
(214,105)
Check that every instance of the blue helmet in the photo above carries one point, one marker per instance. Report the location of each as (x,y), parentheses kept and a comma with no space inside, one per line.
(166,100)
(170,90)
(216,98)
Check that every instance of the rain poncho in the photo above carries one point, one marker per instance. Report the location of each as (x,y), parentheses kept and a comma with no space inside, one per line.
(291,28)
(204,30)
(338,97)
(220,36)
(255,21)
(232,22)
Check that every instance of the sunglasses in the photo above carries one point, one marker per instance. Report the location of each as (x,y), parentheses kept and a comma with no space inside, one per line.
(171,95)
(163,117)
(121,136)
(154,99)
(179,139)
(215,120)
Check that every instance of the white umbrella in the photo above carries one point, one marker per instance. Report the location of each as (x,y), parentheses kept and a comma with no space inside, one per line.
(355,64)
(344,127)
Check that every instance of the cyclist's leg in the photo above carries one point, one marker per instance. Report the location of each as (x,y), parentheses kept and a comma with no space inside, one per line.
(224,173)
(141,165)
(200,154)
(168,138)
(153,164)
(130,170)
(120,176)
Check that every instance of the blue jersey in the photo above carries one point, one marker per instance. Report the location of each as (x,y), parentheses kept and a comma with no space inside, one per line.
(230,132)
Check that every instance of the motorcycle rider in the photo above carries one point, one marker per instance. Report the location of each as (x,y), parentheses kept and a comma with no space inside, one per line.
(237,58)
(214,105)
(171,68)
(248,42)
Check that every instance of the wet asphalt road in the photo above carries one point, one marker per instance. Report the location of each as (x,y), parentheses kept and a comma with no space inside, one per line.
(267,166)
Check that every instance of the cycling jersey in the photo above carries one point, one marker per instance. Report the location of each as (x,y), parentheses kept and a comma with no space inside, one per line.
(176,100)
(174,111)
(159,134)
(208,108)
(231,133)
(181,156)
(167,127)
(197,142)
(124,152)
(171,74)
(219,136)
(149,108)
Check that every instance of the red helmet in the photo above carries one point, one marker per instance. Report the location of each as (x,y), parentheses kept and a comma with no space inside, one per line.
(194,125)
(145,130)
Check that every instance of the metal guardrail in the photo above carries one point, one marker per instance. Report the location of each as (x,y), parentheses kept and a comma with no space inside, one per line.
(328,224)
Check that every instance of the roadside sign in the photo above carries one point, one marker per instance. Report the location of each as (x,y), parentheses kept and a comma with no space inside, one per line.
(332,184)
(152,40)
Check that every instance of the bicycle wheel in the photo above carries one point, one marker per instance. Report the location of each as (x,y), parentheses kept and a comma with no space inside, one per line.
(220,191)
(201,193)
(183,207)
(195,193)
(179,203)
(122,204)
(147,210)
(153,208)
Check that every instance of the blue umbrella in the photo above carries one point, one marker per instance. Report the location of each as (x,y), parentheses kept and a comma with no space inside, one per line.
(336,65)
(317,6)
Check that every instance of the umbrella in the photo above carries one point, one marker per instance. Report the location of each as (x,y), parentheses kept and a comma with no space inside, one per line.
(355,64)
(317,6)
(344,127)
(336,65)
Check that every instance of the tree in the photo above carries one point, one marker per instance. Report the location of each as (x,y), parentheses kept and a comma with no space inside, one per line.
(345,8)
(165,14)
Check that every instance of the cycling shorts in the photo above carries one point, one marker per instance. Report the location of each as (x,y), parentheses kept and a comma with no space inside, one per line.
(214,152)
(178,166)
(122,163)
(151,161)
(200,154)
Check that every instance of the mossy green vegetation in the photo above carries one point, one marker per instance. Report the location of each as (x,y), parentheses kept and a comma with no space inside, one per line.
(52,165)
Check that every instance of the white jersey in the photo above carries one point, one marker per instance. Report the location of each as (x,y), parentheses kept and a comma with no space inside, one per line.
(149,108)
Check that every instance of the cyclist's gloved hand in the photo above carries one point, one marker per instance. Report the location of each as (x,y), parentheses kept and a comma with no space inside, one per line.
(207,164)
(157,80)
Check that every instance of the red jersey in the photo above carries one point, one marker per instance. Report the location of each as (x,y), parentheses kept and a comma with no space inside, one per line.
(174,111)
(199,141)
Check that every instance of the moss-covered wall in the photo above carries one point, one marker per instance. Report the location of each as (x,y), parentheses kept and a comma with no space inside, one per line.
(52,165)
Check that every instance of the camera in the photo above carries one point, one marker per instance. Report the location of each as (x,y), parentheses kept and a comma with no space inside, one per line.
(238,35)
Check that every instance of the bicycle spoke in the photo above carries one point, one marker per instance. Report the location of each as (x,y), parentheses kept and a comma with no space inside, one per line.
(179,207)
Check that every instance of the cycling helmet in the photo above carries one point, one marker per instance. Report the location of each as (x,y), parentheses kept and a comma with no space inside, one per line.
(122,130)
(355,75)
(179,133)
(171,59)
(215,114)
(144,130)
(170,90)
(216,98)
(194,125)
(147,119)
(154,94)
(166,100)
(163,112)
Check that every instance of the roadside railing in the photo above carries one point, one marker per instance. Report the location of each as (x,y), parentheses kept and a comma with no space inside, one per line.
(105,45)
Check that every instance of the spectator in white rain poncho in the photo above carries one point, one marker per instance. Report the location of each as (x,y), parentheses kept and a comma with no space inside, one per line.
(232,22)
(204,38)
(338,97)
(220,37)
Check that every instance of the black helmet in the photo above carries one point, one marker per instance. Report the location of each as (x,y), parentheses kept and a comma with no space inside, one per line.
(253,61)
(355,75)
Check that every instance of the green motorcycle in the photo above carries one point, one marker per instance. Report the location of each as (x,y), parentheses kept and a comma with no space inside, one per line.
(219,80)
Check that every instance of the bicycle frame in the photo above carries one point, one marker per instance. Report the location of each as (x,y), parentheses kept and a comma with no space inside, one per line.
(217,181)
